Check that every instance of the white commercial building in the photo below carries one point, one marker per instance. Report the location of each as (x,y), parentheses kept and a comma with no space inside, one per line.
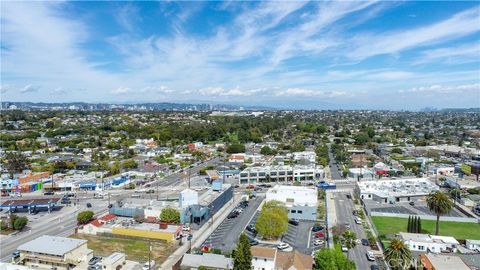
(280,173)
(395,190)
(305,155)
(301,201)
(473,244)
(187,197)
(429,243)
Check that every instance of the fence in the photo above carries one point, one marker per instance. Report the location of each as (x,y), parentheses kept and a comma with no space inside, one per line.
(425,217)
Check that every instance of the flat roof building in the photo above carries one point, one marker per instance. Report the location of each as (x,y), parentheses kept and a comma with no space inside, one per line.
(429,243)
(53,251)
(300,201)
(280,173)
(395,190)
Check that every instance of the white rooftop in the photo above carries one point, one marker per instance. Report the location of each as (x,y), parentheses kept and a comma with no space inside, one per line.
(52,245)
(397,187)
(208,260)
(426,238)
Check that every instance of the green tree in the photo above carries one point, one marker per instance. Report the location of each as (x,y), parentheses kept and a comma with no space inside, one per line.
(235,148)
(20,223)
(130,164)
(332,259)
(242,258)
(84,217)
(170,215)
(409,224)
(419,225)
(439,203)
(398,256)
(267,151)
(15,162)
(350,239)
(273,220)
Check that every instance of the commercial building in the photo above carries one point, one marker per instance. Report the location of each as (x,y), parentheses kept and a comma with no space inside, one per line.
(395,190)
(280,173)
(473,244)
(309,156)
(433,261)
(360,174)
(300,201)
(208,260)
(429,243)
(265,258)
(54,252)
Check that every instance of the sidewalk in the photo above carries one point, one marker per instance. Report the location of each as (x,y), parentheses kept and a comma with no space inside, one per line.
(200,235)
(331,216)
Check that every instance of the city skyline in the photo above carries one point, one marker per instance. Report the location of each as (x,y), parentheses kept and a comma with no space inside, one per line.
(305,55)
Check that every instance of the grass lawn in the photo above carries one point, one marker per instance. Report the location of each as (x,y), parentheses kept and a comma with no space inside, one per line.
(136,250)
(459,230)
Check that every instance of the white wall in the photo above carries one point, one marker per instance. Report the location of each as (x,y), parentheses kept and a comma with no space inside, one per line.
(293,195)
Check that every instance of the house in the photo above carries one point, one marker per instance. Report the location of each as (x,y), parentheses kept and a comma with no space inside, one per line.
(236,158)
(113,262)
(265,258)
(429,243)
(301,202)
(208,260)
(473,244)
(433,261)
(53,251)
(94,226)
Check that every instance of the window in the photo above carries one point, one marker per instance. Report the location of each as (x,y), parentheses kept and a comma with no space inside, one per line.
(300,212)
(421,248)
(293,211)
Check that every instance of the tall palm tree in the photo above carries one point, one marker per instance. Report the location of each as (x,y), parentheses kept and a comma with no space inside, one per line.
(439,203)
(398,255)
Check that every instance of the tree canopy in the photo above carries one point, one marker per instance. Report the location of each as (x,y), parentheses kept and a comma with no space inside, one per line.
(332,259)
(170,215)
(273,220)
(242,257)
(84,217)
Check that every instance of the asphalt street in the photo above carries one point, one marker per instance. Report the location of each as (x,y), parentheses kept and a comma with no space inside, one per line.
(226,235)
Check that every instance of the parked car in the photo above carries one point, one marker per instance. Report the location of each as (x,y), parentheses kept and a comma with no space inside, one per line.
(89,205)
(319,235)
(147,266)
(317,228)
(294,221)
(233,214)
(344,248)
(365,242)
(94,260)
(251,228)
(358,221)
(94,267)
(253,242)
(48,193)
(318,242)
(284,247)
(16,254)
(349,196)
(370,256)
(374,267)
(412,203)
(355,212)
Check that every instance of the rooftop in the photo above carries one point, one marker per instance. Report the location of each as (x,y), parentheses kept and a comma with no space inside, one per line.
(420,237)
(52,245)
(397,187)
(208,260)
(444,262)
(263,252)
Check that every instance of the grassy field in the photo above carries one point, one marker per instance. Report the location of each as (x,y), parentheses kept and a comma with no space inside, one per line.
(460,230)
(136,250)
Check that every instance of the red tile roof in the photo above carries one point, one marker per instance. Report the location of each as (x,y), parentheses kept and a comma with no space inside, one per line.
(97,222)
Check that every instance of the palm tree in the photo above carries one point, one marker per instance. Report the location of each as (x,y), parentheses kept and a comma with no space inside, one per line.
(398,255)
(439,203)
(350,239)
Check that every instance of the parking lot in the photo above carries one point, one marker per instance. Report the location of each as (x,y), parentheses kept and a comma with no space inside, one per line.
(299,237)
(226,235)
(419,208)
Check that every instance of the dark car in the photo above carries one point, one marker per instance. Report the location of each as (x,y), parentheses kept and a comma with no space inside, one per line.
(48,193)
(365,242)
(317,228)
(89,205)
(412,203)
(374,267)
(253,242)
(16,254)
(293,221)
(349,196)
(355,212)
(94,260)
(233,214)
(251,228)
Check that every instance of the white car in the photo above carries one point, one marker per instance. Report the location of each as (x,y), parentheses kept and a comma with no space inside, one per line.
(284,247)
(344,248)
(358,221)
(318,242)
(370,256)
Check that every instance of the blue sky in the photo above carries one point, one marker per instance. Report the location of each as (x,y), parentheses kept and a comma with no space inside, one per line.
(378,54)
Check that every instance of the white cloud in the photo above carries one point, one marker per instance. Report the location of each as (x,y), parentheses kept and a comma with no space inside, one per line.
(29,89)
(370,44)
(127,15)
(465,53)
(445,89)
(120,91)
(301,92)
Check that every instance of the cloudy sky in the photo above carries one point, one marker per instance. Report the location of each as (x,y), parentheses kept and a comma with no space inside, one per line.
(379,54)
